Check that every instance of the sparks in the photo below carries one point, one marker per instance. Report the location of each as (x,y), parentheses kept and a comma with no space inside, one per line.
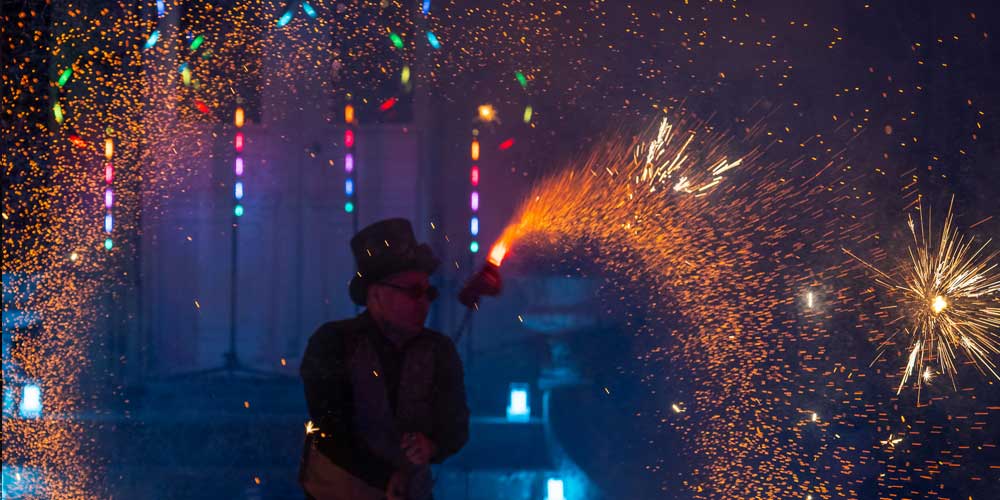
(947,291)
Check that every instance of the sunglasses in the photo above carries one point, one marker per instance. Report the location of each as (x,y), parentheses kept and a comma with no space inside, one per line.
(415,292)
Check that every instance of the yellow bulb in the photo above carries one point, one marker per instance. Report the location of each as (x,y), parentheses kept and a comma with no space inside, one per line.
(938,304)
(109,148)
(239,117)
(475,150)
(349,114)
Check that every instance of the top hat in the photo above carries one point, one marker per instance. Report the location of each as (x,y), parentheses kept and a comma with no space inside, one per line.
(385,248)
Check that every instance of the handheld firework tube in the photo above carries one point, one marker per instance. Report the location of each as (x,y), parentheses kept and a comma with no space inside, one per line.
(485,282)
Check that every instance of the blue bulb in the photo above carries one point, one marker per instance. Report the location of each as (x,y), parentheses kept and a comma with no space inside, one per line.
(348,207)
(349,187)
(108,223)
(285,18)
(152,39)
(474,247)
(474,226)
(433,40)
(238,210)
(426,7)
(310,11)
(239,190)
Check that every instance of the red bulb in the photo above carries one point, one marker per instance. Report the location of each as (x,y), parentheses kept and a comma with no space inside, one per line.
(506,144)
(388,104)
(475,175)
(349,138)
(239,142)
(109,173)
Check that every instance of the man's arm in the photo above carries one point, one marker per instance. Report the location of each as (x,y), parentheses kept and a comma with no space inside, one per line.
(328,396)
(451,413)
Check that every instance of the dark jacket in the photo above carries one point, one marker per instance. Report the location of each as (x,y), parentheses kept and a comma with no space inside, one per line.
(341,389)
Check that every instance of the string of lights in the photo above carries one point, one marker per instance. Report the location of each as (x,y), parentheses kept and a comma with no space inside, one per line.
(350,191)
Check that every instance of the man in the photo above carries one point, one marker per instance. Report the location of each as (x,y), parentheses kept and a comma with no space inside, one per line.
(386,396)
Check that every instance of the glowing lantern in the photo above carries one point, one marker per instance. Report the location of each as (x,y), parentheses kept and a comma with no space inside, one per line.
(518,409)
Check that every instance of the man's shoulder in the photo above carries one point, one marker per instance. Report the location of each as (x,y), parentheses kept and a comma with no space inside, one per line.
(337,331)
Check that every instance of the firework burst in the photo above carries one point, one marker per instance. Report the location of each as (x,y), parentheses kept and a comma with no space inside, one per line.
(947,291)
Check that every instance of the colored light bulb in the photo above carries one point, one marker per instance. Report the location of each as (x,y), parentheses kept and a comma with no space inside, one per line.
(285,18)
(238,211)
(474,226)
(349,163)
(475,175)
(433,40)
(474,247)
(239,166)
(349,114)
(475,150)
(396,40)
(348,207)
(239,142)
(238,118)
(474,201)
(109,198)
(151,41)
(238,190)
(349,138)
(310,11)
(64,77)
(349,187)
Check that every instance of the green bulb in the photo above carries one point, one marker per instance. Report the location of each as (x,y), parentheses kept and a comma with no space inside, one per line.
(348,207)
(108,244)
(197,42)
(65,76)
(474,247)
(396,40)
(238,210)
(521,79)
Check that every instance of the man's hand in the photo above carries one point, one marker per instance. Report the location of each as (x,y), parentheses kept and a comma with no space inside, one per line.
(418,448)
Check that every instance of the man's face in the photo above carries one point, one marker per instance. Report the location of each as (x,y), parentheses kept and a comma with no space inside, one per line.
(401,300)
